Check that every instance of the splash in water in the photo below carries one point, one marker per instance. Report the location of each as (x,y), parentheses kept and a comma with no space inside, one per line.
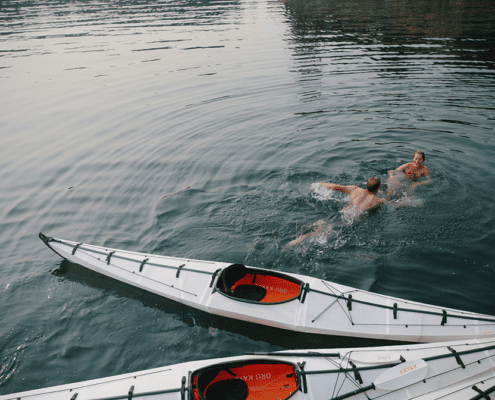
(401,191)
(322,193)
(321,231)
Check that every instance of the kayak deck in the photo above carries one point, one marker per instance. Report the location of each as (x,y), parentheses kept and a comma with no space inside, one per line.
(450,371)
(282,300)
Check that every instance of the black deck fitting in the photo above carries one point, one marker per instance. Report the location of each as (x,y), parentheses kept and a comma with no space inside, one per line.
(214,276)
(45,239)
(303,375)
(444,318)
(109,256)
(142,264)
(178,270)
(357,375)
(305,290)
(183,388)
(482,394)
(75,248)
(457,358)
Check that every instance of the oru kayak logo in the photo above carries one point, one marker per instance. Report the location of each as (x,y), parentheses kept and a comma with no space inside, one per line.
(256,377)
(410,368)
(274,289)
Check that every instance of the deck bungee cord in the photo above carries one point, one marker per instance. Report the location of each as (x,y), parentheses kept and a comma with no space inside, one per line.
(112,254)
(142,276)
(349,300)
(340,296)
(482,394)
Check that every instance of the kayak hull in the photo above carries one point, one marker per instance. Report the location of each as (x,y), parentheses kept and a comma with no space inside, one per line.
(321,307)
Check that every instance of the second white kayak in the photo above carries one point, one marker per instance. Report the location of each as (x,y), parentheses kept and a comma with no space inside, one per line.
(447,371)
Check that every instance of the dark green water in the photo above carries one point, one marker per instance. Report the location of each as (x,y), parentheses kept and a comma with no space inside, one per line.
(196,128)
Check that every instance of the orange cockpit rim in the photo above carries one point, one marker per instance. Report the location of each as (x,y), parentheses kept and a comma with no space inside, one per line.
(245,380)
(258,285)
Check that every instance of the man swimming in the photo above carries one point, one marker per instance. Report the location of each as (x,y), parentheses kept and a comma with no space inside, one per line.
(360,199)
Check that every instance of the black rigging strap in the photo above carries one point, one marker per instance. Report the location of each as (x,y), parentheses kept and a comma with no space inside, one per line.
(483,394)
(357,375)
(111,255)
(457,358)
(303,376)
(333,292)
(142,264)
(75,248)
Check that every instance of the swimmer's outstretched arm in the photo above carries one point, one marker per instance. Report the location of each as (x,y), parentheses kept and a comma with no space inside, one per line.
(340,188)
(401,168)
(426,182)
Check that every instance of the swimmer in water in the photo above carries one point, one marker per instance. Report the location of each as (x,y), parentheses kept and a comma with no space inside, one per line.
(414,170)
(360,199)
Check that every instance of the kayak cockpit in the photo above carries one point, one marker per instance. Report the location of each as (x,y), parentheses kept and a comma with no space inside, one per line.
(245,380)
(259,286)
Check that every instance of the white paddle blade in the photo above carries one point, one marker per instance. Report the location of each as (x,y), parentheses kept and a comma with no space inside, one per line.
(402,375)
(374,357)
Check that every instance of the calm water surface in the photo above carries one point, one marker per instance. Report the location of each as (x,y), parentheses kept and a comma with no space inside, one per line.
(196,129)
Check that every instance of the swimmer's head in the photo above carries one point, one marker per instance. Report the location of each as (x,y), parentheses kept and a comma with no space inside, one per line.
(373,185)
(421,154)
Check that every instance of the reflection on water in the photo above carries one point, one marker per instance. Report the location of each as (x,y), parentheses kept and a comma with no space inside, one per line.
(123,14)
(392,22)
(388,47)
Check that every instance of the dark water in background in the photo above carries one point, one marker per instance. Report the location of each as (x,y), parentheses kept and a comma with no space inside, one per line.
(196,128)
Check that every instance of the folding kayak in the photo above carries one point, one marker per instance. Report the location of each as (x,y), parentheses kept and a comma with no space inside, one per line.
(449,371)
(282,300)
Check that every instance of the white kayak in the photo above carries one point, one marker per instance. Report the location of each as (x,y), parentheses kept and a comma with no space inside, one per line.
(454,370)
(282,300)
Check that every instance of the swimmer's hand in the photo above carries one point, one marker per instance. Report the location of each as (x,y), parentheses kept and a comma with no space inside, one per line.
(427,182)
(314,186)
